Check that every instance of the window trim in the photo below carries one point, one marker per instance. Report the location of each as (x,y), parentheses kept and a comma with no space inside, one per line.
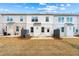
(9,18)
(17,28)
(48,30)
(62,29)
(69,19)
(34,19)
(47,19)
(76,30)
(42,29)
(21,18)
(31,29)
(61,19)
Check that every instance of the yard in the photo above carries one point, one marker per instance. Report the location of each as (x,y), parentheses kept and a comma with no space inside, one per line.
(44,47)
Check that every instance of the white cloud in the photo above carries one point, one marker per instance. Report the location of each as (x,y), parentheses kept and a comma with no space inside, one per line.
(68,4)
(49,12)
(42,3)
(4,10)
(18,6)
(62,5)
(51,9)
(55,11)
(62,8)
(32,7)
(48,8)
(26,7)
(1,9)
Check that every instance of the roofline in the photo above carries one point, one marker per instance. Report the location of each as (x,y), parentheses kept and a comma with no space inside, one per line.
(60,14)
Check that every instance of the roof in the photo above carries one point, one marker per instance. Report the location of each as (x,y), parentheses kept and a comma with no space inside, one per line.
(63,14)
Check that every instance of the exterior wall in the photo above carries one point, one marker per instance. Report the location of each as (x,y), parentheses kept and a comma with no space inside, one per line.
(78,24)
(16,22)
(27,24)
(62,24)
(1,25)
(41,19)
(75,18)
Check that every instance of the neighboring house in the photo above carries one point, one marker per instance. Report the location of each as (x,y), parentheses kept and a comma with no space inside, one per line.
(40,24)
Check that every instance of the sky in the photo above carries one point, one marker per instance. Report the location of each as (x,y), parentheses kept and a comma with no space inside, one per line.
(39,8)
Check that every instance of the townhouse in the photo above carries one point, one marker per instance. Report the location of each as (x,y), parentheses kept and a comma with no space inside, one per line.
(40,24)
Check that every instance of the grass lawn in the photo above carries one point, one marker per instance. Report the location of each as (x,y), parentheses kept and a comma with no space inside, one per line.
(18,46)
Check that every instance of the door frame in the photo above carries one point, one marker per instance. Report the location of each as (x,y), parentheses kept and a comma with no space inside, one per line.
(10,30)
(67,30)
(37,30)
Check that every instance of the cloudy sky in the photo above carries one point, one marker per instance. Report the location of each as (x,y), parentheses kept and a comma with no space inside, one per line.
(39,8)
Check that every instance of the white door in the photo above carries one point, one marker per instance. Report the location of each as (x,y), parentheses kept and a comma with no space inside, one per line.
(69,31)
(10,29)
(36,31)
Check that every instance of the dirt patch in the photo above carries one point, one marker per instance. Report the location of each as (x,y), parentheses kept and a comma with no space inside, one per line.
(24,46)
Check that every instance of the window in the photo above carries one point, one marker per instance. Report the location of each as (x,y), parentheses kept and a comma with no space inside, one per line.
(76,30)
(61,19)
(17,28)
(47,30)
(34,19)
(69,19)
(62,29)
(47,19)
(9,18)
(73,29)
(42,29)
(6,28)
(32,29)
(21,18)
(27,31)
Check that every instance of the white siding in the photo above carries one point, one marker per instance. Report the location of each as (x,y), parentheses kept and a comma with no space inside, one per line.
(27,23)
